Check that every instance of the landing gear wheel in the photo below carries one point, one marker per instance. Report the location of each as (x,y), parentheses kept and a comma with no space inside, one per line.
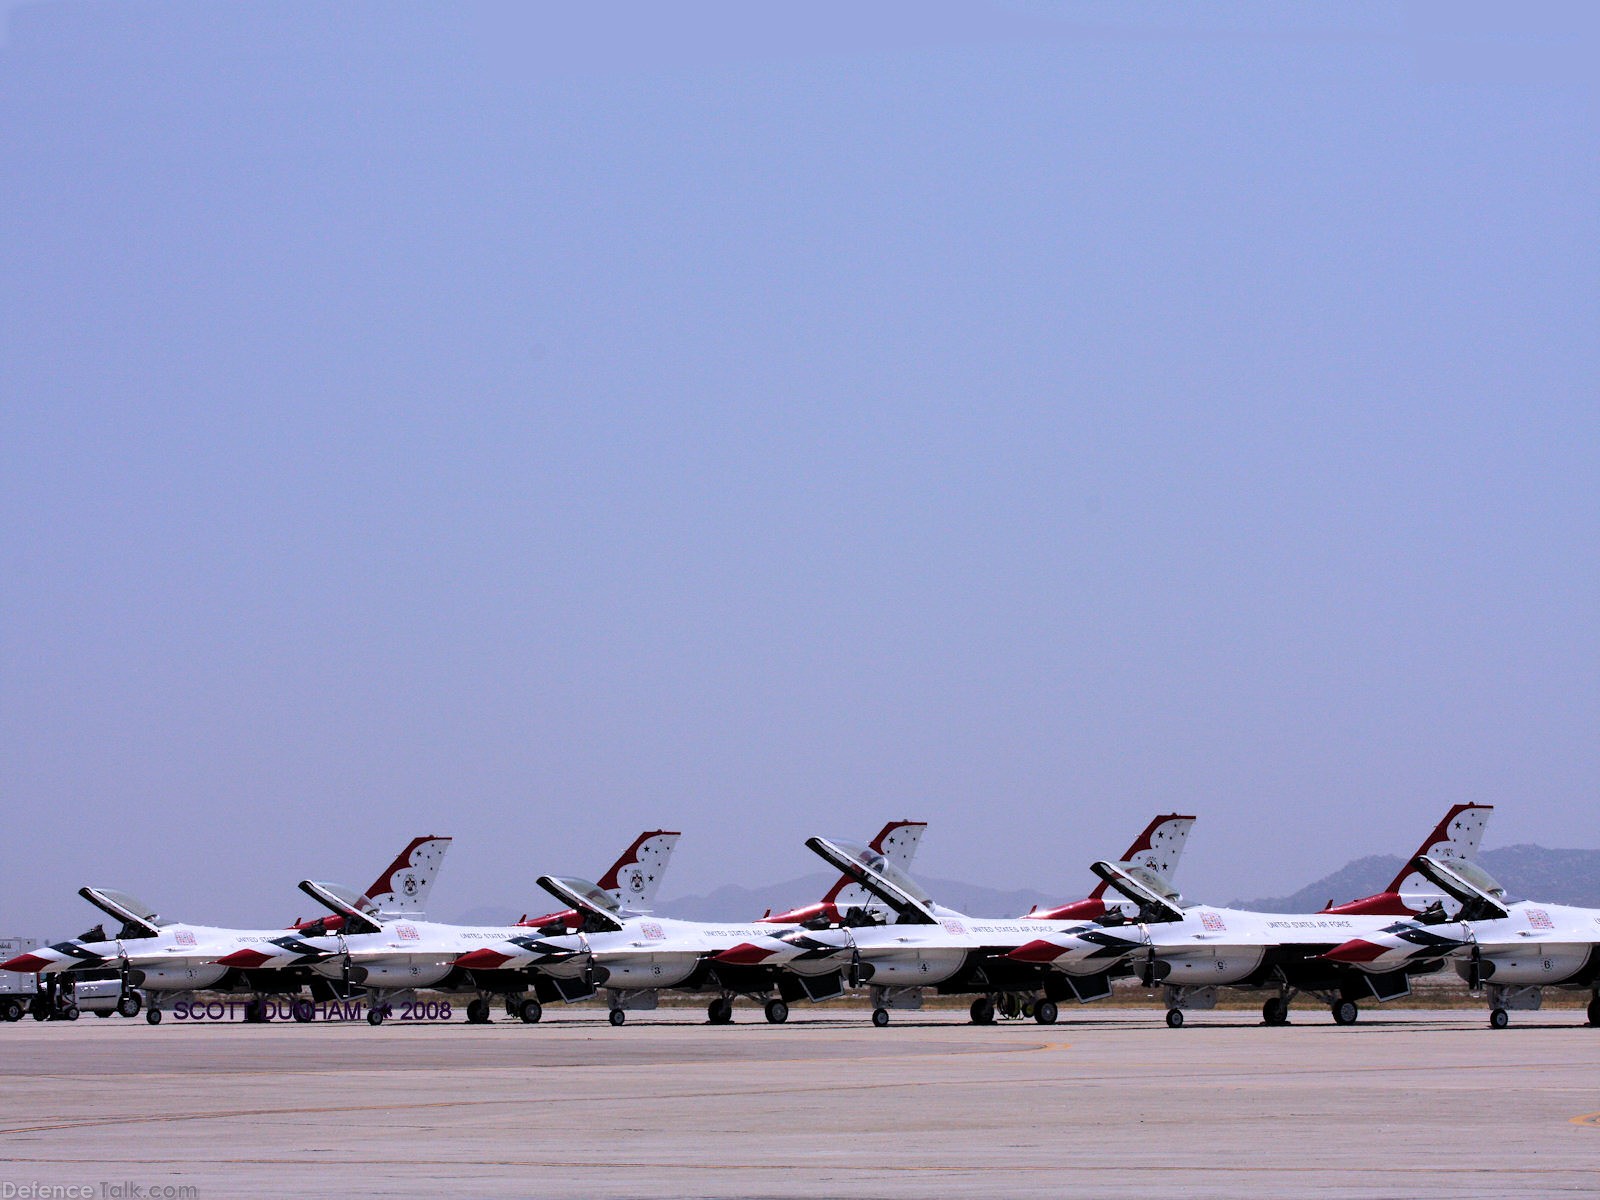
(777,1011)
(1045,1012)
(1174,1018)
(618,1017)
(880,1017)
(1498,1018)
(302,1011)
(1345,1012)
(477,1012)
(1594,1012)
(375,1015)
(1275,1011)
(152,1016)
(130,1004)
(530,1011)
(982,1011)
(720,1011)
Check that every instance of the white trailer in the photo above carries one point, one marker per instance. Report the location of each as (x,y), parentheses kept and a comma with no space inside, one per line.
(17,991)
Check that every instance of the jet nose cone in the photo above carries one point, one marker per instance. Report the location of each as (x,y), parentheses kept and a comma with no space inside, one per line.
(745,954)
(247,960)
(1356,951)
(1037,951)
(26,964)
(482,959)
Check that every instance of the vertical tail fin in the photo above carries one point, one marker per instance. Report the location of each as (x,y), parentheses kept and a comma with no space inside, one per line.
(634,879)
(405,883)
(1158,848)
(1457,836)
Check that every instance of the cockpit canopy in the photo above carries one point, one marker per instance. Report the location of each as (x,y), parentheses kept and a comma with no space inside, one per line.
(358,911)
(1481,896)
(138,918)
(879,876)
(1157,899)
(599,907)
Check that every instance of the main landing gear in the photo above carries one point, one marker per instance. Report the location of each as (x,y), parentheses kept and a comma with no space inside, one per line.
(529,1011)
(777,1011)
(880,1017)
(1045,1012)
(478,1012)
(982,1011)
(720,1011)
(618,1017)
(1499,1018)
(1174,1018)
(1275,1011)
(1345,1012)
(1594,1011)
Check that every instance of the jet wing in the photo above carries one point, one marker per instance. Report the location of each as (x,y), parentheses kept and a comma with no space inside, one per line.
(1143,886)
(344,903)
(873,872)
(124,908)
(1480,896)
(598,905)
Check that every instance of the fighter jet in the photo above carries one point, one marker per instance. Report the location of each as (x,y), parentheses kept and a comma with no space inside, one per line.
(163,961)
(1510,951)
(929,945)
(634,957)
(1192,950)
(390,959)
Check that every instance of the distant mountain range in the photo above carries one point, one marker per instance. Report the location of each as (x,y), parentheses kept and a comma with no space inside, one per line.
(1527,872)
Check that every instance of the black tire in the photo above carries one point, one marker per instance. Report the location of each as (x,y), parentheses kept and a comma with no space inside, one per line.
(477,1012)
(375,1015)
(1594,1012)
(880,1017)
(777,1012)
(530,1011)
(1498,1018)
(1345,1012)
(152,1016)
(720,1011)
(1174,1018)
(1275,1011)
(982,1011)
(129,1004)
(104,1012)
(618,1017)
(70,1013)
(13,1011)
(302,1011)
(252,1012)
(1045,1012)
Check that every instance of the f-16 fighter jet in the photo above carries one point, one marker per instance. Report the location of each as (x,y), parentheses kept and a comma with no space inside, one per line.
(1511,951)
(1192,950)
(163,961)
(390,959)
(928,945)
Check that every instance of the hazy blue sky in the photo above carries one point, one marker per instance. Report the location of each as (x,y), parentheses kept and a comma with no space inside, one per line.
(769,419)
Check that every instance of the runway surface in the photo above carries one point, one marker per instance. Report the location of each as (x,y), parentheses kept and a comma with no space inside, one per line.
(1108,1103)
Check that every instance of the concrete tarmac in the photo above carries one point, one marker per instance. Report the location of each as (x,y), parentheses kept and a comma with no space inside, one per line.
(1107,1102)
